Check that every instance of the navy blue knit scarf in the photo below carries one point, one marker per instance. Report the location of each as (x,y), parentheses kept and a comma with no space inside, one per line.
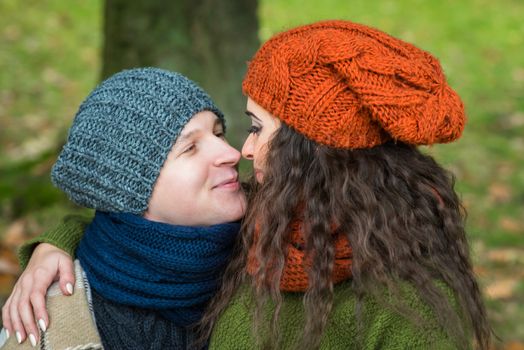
(172,269)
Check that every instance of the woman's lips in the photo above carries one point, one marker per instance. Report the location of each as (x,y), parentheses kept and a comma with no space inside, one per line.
(259,175)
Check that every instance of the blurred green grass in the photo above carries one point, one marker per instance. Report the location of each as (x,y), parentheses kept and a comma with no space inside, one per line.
(49,61)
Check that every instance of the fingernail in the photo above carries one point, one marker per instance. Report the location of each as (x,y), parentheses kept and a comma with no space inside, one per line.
(42,325)
(69,288)
(7,333)
(32,339)
(18,337)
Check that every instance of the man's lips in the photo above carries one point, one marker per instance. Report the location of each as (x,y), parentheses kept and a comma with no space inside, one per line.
(231,182)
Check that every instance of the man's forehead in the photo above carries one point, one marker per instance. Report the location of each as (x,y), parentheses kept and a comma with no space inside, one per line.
(193,130)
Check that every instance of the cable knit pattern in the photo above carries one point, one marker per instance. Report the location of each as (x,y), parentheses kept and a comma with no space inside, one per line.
(295,275)
(347,85)
(121,136)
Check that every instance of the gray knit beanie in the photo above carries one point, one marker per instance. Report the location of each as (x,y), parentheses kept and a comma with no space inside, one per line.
(121,136)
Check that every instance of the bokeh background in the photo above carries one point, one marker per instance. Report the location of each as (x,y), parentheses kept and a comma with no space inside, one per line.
(53,52)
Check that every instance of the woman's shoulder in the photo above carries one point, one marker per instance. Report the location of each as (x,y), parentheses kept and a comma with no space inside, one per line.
(387,319)
(383,302)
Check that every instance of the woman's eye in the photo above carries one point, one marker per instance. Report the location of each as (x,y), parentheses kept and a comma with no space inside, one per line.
(254,130)
(220,134)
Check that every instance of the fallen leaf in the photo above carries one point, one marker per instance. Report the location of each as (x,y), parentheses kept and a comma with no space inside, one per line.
(8,261)
(500,193)
(502,289)
(506,255)
(518,74)
(511,225)
(9,270)
(15,234)
(12,33)
(516,119)
(514,345)
(480,271)
(6,285)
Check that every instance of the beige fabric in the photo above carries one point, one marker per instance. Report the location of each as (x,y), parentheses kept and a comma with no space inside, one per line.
(71,322)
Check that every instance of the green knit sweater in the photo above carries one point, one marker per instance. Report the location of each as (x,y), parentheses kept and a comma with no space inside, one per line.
(66,236)
(382,327)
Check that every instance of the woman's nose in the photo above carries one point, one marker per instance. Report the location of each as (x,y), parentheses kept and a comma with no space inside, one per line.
(247,148)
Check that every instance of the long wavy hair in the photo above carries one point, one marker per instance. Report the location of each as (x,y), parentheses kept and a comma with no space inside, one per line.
(401,215)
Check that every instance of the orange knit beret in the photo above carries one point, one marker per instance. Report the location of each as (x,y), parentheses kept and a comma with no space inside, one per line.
(347,85)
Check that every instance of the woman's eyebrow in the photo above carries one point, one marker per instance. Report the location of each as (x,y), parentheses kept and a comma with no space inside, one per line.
(252,115)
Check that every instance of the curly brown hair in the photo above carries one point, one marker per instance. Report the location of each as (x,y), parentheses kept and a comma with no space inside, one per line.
(403,220)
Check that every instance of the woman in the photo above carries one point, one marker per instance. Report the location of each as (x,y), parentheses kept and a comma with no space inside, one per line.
(353,238)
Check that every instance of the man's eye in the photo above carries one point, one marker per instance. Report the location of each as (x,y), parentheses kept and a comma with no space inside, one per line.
(254,130)
(189,149)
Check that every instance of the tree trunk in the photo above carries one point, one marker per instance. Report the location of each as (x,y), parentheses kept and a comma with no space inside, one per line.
(207,40)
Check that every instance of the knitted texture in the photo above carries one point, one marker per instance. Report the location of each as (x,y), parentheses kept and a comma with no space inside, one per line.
(121,136)
(174,270)
(347,85)
(381,326)
(295,274)
(137,328)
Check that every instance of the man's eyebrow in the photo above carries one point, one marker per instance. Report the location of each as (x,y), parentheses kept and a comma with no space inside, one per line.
(184,137)
(252,115)
(218,122)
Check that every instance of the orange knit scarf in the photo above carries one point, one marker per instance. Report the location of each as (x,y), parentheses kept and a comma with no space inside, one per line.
(295,274)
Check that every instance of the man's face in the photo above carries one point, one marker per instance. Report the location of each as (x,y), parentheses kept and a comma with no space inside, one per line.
(198,184)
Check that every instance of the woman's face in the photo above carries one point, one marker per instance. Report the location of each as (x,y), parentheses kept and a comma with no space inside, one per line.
(198,183)
(263,126)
